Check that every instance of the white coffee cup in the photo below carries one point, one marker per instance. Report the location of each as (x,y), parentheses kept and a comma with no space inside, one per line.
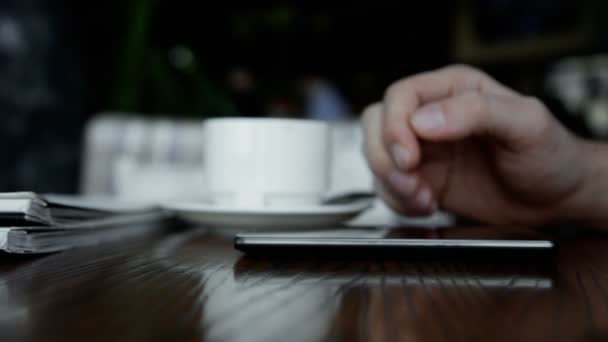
(265,162)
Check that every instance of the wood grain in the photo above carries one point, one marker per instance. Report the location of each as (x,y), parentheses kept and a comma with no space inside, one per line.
(191,287)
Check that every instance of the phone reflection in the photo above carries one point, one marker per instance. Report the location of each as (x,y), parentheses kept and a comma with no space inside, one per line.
(486,275)
(573,309)
(411,301)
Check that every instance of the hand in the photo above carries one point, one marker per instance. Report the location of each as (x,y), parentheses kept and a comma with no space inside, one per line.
(458,139)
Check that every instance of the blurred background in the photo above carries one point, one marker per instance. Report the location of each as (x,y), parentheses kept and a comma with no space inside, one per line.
(79,78)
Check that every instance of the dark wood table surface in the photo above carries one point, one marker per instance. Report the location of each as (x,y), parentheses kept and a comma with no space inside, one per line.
(187,286)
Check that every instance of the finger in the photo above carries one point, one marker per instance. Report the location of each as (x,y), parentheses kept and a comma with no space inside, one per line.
(377,157)
(403,192)
(441,83)
(511,120)
(407,194)
(404,97)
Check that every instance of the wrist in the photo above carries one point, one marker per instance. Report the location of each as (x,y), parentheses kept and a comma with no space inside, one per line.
(588,205)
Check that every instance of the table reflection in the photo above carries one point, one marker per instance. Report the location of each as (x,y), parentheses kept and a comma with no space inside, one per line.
(192,287)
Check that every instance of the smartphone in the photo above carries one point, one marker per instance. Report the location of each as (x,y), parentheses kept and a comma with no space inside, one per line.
(409,241)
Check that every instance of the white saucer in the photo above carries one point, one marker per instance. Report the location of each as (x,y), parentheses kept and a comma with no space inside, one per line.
(241,219)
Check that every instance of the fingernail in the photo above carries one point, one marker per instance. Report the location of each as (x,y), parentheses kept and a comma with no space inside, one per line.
(401,155)
(429,118)
(423,199)
(405,184)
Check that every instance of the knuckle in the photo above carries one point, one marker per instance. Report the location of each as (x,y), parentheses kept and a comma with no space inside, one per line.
(539,119)
(384,193)
(394,90)
(463,69)
(371,111)
(534,105)
(392,133)
(381,171)
(380,167)
(477,103)
(472,102)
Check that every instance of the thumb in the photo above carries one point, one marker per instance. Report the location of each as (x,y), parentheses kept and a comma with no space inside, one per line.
(513,120)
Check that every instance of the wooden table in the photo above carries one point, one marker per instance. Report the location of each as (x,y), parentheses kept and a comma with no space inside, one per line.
(190,287)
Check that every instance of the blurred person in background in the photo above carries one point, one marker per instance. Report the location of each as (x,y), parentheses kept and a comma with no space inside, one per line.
(243,90)
(323,101)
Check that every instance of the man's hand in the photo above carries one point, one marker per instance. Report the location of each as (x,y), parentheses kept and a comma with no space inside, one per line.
(457,139)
